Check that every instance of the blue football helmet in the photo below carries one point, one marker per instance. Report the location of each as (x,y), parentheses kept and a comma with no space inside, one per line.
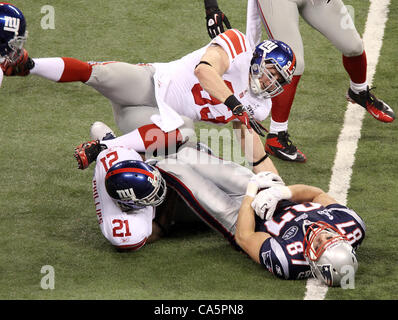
(267,55)
(13,32)
(135,184)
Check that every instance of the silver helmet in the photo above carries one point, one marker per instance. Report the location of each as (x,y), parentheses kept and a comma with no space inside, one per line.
(331,257)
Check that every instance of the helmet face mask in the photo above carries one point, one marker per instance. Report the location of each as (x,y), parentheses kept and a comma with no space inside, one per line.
(328,253)
(135,184)
(268,55)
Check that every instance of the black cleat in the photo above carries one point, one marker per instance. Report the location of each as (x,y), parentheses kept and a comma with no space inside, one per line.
(280,146)
(377,108)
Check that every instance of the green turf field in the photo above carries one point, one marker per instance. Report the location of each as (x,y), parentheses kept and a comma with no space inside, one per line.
(46,206)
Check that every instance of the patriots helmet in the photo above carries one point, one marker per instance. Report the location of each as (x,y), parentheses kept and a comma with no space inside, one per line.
(13,32)
(332,258)
(135,184)
(267,55)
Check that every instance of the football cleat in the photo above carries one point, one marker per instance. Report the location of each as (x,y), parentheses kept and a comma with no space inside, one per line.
(280,146)
(376,107)
(100,131)
(88,152)
(20,67)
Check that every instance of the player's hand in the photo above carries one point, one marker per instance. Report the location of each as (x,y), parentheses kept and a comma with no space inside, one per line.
(264,204)
(266,201)
(243,115)
(214,22)
(267,179)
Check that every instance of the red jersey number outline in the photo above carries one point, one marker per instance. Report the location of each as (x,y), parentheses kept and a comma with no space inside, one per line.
(109,160)
(205,114)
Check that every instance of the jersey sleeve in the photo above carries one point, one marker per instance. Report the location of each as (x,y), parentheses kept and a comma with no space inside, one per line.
(273,258)
(253,23)
(233,42)
(124,230)
(128,231)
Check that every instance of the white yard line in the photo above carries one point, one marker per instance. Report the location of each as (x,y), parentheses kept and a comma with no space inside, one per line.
(348,140)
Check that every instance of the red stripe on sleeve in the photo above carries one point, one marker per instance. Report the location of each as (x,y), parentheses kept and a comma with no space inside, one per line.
(233,36)
(229,46)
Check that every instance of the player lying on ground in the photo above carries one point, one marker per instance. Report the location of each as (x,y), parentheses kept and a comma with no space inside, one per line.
(126,189)
(297,231)
(281,21)
(221,82)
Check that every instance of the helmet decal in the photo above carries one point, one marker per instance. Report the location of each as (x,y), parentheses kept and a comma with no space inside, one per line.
(135,184)
(276,61)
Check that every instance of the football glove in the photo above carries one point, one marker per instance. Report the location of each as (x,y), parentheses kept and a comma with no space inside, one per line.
(20,67)
(88,152)
(267,179)
(214,22)
(266,201)
(243,115)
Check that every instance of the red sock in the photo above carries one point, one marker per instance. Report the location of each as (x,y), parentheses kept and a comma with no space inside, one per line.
(75,70)
(356,67)
(282,103)
(155,139)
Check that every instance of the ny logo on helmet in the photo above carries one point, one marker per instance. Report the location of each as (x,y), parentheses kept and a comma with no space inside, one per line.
(126,194)
(12,24)
(268,46)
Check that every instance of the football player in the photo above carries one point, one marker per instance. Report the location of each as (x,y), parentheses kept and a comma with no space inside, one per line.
(296,231)
(281,21)
(227,80)
(13,35)
(126,190)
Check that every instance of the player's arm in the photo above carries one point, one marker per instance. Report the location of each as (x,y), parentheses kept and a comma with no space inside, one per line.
(304,193)
(253,147)
(214,63)
(245,235)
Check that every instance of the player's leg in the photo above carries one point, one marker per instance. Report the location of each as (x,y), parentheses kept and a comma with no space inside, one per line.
(229,176)
(129,87)
(281,21)
(204,197)
(335,23)
(129,118)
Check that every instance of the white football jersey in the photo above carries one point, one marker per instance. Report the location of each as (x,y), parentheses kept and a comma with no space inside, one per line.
(125,230)
(178,91)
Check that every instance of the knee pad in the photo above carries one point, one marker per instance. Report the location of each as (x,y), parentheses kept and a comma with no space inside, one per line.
(354,48)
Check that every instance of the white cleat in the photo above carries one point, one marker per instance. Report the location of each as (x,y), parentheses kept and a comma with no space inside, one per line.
(100,131)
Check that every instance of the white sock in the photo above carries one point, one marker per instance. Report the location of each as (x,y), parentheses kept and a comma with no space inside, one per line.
(358,87)
(132,140)
(49,68)
(276,127)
